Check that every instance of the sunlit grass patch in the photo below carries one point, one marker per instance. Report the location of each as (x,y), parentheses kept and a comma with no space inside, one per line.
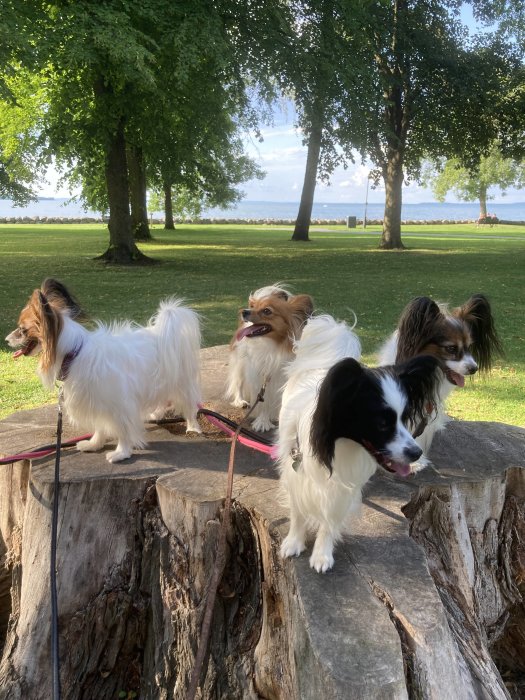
(215,267)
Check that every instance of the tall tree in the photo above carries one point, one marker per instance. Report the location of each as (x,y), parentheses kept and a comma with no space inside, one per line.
(100,61)
(116,83)
(435,93)
(417,60)
(318,67)
(474,184)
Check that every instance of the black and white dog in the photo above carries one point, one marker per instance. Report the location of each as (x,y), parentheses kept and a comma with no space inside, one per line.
(338,421)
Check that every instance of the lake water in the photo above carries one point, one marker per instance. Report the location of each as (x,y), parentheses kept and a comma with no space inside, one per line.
(288,210)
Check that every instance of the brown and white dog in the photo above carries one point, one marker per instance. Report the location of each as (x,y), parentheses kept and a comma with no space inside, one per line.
(464,339)
(113,377)
(262,346)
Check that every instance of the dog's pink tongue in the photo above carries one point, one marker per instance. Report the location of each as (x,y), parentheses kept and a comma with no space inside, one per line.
(455,378)
(17,354)
(400,468)
(245,330)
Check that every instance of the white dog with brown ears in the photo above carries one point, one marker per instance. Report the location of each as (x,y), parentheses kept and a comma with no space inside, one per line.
(261,348)
(114,376)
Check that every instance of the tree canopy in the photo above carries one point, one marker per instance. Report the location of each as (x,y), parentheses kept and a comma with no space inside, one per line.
(470,185)
(127,96)
(21,161)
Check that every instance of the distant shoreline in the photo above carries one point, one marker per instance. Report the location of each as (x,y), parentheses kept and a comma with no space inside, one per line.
(61,209)
(28,220)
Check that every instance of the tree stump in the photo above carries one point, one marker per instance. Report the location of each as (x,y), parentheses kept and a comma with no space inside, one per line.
(425,599)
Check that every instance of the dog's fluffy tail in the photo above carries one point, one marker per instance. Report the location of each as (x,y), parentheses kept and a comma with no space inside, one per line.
(324,341)
(179,337)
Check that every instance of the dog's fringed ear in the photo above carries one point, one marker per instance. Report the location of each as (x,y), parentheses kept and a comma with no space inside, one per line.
(333,407)
(57,295)
(420,378)
(477,314)
(416,327)
(302,306)
(50,322)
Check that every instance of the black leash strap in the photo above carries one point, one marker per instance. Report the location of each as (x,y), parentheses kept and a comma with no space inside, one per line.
(53,559)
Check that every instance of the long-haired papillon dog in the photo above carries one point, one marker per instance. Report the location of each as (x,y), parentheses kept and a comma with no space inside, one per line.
(339,420)
(262,346)
(463,338)
(114,376)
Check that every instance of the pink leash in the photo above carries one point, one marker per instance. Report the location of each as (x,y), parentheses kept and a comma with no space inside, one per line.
(248,442)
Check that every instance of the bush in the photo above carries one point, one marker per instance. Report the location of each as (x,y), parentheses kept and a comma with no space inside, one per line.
(490,219)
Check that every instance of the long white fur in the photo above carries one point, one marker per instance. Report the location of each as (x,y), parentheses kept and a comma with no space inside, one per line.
(316,500)
(254,362)
(124,373)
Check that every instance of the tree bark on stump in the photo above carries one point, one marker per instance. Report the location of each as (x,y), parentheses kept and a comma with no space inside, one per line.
(426,599)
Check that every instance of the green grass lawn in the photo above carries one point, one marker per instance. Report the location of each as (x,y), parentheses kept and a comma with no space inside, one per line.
(215,267)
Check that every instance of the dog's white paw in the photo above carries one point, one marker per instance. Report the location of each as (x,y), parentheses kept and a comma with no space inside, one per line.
(158,413)
(262,424)
(238,402)
(89,446)
(84,446)
(321,562)
(118,455)
(292,547)
(192,426)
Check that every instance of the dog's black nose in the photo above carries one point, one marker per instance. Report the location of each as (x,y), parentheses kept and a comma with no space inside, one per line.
(472,369)
(245,313)
(413,453)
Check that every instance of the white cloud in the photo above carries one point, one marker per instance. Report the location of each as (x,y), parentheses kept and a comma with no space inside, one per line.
(286,156)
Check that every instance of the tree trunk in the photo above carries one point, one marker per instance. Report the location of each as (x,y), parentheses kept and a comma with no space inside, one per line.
(426,599)
(138,194)
(483,203)
(169,224)
(302,223)
(393,178)
(397,115)
(122,248)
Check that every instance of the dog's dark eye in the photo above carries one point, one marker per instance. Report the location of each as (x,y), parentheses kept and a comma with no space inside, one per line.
(22,331)
(451,349)
(267,311)
(383,424)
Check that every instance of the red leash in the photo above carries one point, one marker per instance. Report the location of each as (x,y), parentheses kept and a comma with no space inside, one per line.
(42,451)
(227,426)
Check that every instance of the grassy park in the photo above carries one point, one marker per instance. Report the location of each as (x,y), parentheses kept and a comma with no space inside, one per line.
(214,267)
